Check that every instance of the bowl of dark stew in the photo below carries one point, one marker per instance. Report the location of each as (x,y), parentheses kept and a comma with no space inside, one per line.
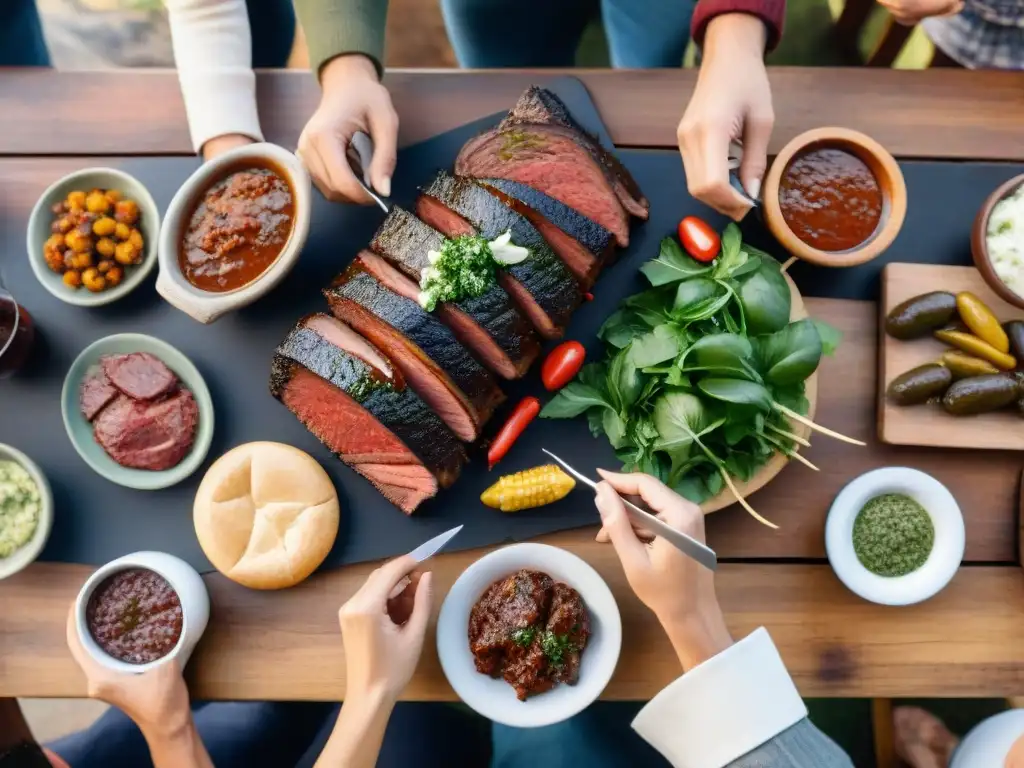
(835,197)
(529,635)
(234,230)
(142,610)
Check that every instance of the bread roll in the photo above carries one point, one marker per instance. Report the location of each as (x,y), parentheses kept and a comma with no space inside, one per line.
(266,515)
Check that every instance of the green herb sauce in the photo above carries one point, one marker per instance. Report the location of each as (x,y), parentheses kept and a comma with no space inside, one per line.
(516,140)
(555,647)
(524,636)
(464,268)
(893,535)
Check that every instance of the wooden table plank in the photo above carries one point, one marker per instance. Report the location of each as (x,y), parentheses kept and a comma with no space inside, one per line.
(930,113)
(286,645)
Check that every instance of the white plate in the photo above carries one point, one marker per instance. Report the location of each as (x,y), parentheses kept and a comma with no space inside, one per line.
(495,699)
(946,554)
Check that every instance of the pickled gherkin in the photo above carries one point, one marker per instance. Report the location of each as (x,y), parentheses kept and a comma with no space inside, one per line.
(527,489)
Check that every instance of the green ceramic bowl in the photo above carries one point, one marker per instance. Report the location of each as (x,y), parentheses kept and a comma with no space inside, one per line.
(26,555)
(81,433)
(42,217)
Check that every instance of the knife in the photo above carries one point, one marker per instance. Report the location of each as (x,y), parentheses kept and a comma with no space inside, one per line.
(686,544)
(359,155)
(428,549)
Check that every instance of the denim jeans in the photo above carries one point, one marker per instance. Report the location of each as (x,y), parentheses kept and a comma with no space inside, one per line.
(272,24)
(642,34)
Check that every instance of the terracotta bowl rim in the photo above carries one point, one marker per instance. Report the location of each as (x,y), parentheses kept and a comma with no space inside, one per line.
(979,242)
(868,250)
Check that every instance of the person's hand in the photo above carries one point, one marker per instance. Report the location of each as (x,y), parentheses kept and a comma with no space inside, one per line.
(679,591)
(911,12)
(353,100)
(732,100)
(156,700)
(381,656)
(218,145)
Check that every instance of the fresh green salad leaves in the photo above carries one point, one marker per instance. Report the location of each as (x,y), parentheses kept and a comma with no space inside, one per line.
(705,372)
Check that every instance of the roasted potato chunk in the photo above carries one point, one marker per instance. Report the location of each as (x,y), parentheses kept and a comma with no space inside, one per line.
(105,247)
(113,195)
(73,279)
(76,200)
(122,231)
(126,254)
(93,280)
(114,276)
(104,226)
(126,211)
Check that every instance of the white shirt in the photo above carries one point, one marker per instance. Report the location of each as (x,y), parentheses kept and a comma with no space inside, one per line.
(213,54)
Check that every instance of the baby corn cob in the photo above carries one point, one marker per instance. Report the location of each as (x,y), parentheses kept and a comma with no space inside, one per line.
(529,488)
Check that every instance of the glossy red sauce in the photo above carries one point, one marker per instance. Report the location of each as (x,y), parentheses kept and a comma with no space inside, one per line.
(830,199)
(135,616)
(16,335)
(238,229)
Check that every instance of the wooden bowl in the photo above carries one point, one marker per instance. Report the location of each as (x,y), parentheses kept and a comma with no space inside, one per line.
(979,243)
(776,463)
(882,165)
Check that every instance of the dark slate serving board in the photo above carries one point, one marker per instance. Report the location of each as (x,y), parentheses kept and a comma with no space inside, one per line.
(97,520)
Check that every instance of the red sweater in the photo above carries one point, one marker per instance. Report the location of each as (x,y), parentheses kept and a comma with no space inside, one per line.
(771,12)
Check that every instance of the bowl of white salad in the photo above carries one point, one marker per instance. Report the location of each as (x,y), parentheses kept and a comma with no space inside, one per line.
(26,510)
(997,241)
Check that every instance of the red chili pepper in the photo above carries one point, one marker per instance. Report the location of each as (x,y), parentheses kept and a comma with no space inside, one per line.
(562,363)
(588,296)
(525,412)
(699,239)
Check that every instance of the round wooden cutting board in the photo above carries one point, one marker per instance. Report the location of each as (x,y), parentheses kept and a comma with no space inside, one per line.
(775,465)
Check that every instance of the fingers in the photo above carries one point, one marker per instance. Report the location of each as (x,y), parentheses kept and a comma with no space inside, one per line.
(384,131)
(424,603)
(388,575)
(757,133)
(73,640)
(678,512)
(628,547)
(341,177)
(705,151)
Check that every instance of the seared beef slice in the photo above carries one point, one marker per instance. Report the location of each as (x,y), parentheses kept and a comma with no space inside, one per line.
(437,367)
(357,404)
(148,435)
(541,285)
(489,325)
(140,375)
(539,105)
(96,392)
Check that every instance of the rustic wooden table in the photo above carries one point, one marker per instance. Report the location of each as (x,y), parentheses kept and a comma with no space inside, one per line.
(965,642)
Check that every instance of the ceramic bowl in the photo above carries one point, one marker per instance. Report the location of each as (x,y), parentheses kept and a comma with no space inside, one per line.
(206,306)
(183,578)
(81,432)
(42,217)
(979,243)
(495,699)
(882,165)
(27,554)
(946,554)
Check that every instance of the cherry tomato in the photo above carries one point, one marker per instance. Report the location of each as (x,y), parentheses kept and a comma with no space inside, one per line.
(562,363)
(525,412)
(699,239)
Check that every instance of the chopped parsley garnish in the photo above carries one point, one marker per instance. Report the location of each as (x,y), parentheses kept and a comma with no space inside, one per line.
(556,647)
(466,267)
(524,636)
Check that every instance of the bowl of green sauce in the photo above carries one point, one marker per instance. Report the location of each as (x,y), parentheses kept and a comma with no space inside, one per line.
(895,536)
(26,510)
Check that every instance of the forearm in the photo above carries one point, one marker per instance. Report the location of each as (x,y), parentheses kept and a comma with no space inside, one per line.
(179,747)
(356,739)
(337,27)
(771,13)
(213,54)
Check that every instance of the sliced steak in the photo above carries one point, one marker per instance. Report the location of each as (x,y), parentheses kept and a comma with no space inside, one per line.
(541,285)
(489,325)
(436,366)
(96,392)
(552,159)
(539,105)
(357,404)
(139,375)
(584,245)
(148,435)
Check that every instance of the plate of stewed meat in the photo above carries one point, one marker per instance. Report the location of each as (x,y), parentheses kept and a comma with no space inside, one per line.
(529,635)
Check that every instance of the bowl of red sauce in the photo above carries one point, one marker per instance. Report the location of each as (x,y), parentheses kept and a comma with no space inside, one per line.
(835,197)
(234,230)
(142,610)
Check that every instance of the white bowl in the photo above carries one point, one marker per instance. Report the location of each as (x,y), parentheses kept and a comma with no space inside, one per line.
(183,578)
(206,306)
(39,229)
(495,699)
(27,554)
(946,554)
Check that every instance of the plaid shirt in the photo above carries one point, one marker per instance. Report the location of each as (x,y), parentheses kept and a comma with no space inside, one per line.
(987,34)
